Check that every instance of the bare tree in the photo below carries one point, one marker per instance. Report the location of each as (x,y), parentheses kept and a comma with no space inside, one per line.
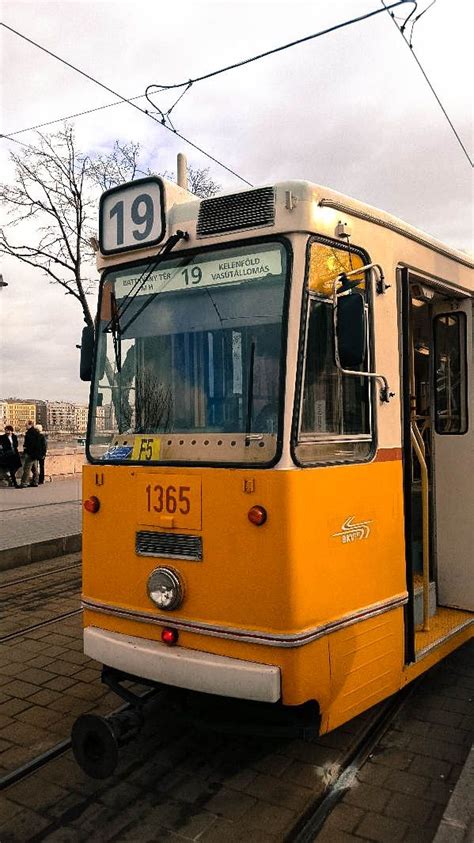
(56,190)
(201,184)
(200,181)
(49,192)
(116,167)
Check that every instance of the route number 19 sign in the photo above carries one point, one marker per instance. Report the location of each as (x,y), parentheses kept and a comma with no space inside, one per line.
(131,216)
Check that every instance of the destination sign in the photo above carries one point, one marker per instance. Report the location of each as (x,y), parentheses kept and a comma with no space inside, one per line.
(227,270)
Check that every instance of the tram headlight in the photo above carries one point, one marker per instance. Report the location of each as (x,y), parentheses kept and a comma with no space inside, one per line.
(165,588)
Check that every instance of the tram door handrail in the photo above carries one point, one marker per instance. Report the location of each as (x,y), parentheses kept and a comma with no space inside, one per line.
(419,449)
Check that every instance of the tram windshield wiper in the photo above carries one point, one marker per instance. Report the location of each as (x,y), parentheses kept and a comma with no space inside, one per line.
(116,334)
(114,323)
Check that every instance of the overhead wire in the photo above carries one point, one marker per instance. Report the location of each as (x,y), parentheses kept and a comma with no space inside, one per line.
(165,115)
(15,140)
(189,82)
(124,99)
(282,47)
(409,44)
(87,170)
(10,135)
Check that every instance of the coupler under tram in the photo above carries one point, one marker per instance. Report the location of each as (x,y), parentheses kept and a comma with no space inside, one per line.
(97,740)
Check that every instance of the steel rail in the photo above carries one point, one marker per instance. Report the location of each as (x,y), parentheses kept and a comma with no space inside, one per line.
(33,627)
(310,824)
(35,764)
(42,574)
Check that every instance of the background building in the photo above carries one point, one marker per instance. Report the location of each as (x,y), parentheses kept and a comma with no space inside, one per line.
(56,417)
(61,417)
(81,414)
(17,412)
(41,413)
(3,414)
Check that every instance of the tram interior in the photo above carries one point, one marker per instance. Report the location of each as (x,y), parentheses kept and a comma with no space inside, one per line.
(442,620)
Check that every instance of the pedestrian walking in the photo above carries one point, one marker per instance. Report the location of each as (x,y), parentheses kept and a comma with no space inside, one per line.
(9,456)
(32,453)
(44,450)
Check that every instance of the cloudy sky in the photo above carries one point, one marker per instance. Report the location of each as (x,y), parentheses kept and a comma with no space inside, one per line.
(350,110)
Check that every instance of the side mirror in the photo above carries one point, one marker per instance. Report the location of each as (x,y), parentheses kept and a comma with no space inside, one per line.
(87,353)
(351,334)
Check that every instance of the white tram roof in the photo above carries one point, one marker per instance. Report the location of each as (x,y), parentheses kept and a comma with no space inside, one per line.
(319,196)
(327,197)
(284,206)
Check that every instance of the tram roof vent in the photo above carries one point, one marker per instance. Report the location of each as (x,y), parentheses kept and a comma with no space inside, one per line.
(251,209)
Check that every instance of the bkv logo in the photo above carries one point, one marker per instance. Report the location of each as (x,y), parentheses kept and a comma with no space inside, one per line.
(352,532)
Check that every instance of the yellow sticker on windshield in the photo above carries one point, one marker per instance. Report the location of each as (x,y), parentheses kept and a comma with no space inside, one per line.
(146,449)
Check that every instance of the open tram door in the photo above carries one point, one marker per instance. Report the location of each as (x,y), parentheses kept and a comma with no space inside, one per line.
(438,452)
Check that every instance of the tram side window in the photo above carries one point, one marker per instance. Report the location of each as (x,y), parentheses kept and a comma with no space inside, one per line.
(450,373)
(335,412)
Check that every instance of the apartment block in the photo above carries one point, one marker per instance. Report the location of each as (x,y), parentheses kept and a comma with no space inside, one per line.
(17,413)
(61,416)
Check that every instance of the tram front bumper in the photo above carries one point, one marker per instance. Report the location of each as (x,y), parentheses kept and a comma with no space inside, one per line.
(184,668)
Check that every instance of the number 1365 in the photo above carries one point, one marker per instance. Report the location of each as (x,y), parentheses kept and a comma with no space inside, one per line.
(169,499)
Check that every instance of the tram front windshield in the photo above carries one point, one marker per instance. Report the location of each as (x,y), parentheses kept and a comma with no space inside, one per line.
(191,347)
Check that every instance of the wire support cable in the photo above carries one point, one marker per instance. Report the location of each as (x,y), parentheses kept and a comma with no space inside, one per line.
(408,42)
(159,88)
(280,49)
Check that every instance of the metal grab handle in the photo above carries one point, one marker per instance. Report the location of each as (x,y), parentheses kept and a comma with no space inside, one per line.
(385,393)
(419,449)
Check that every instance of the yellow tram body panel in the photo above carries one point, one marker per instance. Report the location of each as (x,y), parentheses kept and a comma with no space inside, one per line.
(318,590)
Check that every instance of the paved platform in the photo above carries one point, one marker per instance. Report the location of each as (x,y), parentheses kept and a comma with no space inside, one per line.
(40,523)
(417,785)
(457,825)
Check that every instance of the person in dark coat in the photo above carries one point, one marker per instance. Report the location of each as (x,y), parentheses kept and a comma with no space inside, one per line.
(32,452)
(44,449)
(10,458)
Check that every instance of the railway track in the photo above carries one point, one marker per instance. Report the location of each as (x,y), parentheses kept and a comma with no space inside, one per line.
(34,600)
(312,821)
(35,764)
(50,571)
(174,777)
(25,630)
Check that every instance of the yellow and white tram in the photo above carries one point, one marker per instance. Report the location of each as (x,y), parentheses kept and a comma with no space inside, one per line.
(278,504)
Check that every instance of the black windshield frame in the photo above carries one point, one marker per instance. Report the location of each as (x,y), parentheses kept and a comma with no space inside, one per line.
(349,459)
(184,254)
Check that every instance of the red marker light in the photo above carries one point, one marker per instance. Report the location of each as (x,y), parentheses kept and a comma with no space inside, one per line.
(257,515)
(169,636)
(92,504)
